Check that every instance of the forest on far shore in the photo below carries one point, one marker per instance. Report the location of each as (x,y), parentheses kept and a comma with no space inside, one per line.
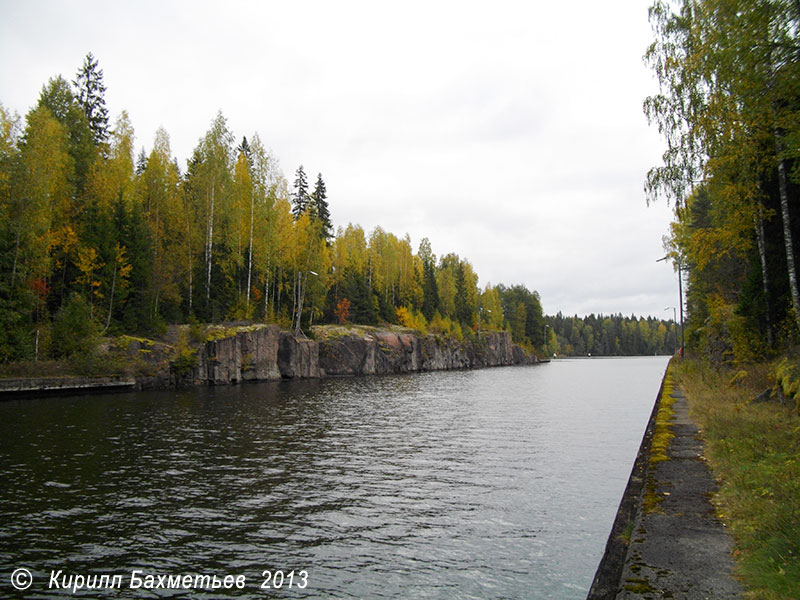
(97,239)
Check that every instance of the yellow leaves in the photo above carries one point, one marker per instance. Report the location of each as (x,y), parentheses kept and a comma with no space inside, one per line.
(122,264)
(88,262)
(65,238)
(46,167)
(412,319)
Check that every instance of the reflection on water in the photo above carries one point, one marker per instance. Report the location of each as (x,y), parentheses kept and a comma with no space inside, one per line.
(498,483)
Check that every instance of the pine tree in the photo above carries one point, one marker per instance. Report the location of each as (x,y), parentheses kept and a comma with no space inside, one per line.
(320,207)
(90,95)
(300,198)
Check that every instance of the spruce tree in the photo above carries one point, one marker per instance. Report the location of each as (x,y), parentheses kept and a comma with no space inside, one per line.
(244,148)
(300,198)
(90,92)
(321,211)
(141,162)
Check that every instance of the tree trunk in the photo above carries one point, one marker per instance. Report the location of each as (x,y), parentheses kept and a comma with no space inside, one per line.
(250,254)
(301,279)
(762,253)
(266,294)
(189,257)
(787,235)
(209,248)
(16,255)
(277,288)
(111,300)
(295,297)
(190,280)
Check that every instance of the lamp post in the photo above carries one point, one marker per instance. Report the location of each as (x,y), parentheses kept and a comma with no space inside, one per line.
(680,297)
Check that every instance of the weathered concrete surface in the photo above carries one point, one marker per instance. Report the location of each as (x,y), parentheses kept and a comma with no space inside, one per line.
(63,385)
(609,572)
(681,549)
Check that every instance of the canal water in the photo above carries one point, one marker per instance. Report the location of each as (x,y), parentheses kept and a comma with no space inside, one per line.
(494,483)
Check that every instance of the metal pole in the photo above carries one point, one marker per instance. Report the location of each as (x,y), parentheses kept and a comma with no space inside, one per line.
(680,298)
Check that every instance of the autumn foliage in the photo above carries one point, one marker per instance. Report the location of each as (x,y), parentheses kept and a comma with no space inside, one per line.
(133,242)
(342,310)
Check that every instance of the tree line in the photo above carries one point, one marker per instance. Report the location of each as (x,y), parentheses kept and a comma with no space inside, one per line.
(93,239)
(612,335)
(729,110)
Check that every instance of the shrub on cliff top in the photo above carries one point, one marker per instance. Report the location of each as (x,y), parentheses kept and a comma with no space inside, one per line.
(412,319)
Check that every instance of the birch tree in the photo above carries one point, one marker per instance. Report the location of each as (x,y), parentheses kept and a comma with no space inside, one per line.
(209,178)
(729,72)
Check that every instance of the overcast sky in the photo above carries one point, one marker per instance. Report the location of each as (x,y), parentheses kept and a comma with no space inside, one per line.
(510,133)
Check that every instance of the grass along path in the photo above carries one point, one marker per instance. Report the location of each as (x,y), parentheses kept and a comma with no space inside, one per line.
(754,451)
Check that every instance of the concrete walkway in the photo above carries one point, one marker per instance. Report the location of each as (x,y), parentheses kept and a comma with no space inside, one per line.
(679,550)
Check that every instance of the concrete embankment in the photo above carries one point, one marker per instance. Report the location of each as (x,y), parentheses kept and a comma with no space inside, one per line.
(265,352)
(22,386)
(666,541)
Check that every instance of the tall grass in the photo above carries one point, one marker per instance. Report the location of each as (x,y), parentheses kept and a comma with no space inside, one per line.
(754,450)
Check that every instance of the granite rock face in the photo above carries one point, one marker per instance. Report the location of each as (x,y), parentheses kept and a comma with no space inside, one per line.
(385,352)
(297,359)
(265,353)
(249,355)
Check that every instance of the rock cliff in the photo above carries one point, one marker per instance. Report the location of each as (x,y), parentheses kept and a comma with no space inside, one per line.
(249,354)
(265,352)
(382,352)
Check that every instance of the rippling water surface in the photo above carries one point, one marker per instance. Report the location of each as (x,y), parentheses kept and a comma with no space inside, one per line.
(497,483)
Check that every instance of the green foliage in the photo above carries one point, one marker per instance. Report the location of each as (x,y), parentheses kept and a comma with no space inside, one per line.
(613,335)
(787,379)
(16,337)
(430,289)
(300,198)
(57,96)
(322,213)
(90,89)
(197,331)
(185,360)
(74,332)
(145,244)
(523,312)
(446,327)
(728,108)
